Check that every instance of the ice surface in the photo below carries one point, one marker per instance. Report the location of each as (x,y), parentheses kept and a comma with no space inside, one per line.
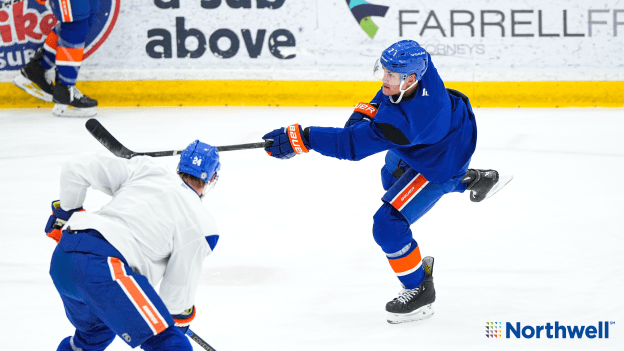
(297,268)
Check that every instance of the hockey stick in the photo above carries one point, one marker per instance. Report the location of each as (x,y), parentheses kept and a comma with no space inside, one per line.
(199,340)
(113,145)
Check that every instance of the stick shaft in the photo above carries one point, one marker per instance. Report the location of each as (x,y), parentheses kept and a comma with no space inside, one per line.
(113,145)
(199,340)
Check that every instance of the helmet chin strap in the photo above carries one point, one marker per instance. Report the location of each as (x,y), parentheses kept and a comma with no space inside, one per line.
(402,91)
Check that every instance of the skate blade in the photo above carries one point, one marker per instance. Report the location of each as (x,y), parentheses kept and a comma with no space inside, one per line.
(31,88)
(60,110)
(502,181)
(421,313)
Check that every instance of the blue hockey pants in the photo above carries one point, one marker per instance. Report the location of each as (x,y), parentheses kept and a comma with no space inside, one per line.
(103,297)
(409,196)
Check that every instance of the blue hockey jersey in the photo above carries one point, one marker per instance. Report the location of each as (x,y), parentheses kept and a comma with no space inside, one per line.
(433,131)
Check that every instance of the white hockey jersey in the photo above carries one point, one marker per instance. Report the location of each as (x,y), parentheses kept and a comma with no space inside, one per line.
(154,219)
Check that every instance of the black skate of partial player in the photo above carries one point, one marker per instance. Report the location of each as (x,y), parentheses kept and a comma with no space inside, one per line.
(35,80)
(414,304)
(484,183)
(70,102)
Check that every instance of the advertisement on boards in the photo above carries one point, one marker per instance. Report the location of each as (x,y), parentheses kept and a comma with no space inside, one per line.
(469,40)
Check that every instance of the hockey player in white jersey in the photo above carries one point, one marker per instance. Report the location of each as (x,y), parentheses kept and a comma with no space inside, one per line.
(154,230)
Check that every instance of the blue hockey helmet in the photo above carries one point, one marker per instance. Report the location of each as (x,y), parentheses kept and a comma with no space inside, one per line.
(405,57)
(200,160)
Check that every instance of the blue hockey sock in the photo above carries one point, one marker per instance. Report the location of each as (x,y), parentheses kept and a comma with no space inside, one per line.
(70,50)
(407,264)
(393,234)
(49,51)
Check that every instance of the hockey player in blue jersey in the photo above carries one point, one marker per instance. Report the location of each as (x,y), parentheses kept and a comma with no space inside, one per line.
(154,231)
(430,134)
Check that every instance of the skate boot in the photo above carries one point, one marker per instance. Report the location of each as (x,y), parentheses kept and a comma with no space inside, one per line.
(414,304)
(69,102)
(35,80)
(484,183)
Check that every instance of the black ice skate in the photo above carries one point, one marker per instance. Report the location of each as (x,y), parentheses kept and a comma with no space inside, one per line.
(72,103)
(414,304)
(35,80)
(484,183)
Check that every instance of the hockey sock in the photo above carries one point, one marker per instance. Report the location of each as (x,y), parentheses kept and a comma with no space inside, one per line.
(393,234)
(407,264)
(49,51)
(70,50)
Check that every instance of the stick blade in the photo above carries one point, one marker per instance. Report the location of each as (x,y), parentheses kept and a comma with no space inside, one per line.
(107,139)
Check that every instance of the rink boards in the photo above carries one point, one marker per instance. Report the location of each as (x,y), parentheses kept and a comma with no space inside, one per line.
(320,93)
(321,53)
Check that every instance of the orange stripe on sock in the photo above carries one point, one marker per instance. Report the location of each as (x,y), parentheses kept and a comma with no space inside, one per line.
(134,292)
(409,191)
(69,54)
(52,40)
(406,263)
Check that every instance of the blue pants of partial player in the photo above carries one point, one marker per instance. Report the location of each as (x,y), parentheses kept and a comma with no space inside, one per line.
(409,196)
(103,297)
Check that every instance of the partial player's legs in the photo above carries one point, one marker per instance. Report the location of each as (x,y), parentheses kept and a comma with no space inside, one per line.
(409,198)
(74,17)
(52,73)
(171,339)
(96,339)
(391,231)
(393,234)
(416,296)
(91,332)
(103,297)
(69,102)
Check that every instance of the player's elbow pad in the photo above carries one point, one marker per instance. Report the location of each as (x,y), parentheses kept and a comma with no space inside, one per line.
(393,133)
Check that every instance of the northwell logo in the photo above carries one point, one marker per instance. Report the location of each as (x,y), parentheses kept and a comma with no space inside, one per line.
(493,329)
(549,331)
